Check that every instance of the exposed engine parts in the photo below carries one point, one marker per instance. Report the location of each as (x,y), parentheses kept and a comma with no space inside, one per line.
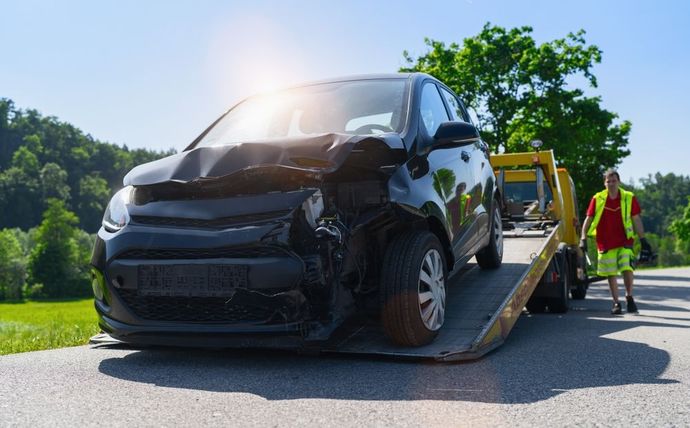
(328,229)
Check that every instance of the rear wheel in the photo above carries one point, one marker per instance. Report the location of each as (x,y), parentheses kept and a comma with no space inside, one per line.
(536,305)
(560,303)
(413,292)
(491,256)
(580,290)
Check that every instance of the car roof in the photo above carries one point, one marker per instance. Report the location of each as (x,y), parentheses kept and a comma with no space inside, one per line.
(355,77)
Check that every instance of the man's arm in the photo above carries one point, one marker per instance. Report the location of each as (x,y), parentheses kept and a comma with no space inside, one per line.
(646,253)
(583,233)
(587,224)
(637,225)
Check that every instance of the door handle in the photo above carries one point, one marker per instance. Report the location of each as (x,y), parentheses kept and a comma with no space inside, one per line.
(465,156)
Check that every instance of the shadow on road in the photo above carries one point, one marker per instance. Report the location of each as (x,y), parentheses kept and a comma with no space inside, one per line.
(545,356)
(643,276)
(645,292)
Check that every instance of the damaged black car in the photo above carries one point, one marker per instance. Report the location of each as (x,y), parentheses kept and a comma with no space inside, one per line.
(298,210)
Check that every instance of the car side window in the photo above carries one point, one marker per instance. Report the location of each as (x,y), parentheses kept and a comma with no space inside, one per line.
(465,114)
(472,114)
(431,108)
(456,111)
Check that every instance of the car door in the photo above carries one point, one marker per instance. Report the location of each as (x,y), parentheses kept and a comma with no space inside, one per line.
(478,203)
(451,170)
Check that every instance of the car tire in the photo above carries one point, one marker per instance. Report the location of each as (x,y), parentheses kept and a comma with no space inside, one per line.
(560,304)
(491,256)
(413,293)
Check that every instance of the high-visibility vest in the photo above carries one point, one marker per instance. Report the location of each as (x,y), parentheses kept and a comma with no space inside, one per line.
(626,211)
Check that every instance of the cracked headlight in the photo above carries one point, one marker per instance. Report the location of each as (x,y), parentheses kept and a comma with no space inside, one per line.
(116,215)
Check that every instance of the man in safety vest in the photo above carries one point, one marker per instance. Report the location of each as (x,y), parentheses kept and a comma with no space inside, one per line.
(613,217)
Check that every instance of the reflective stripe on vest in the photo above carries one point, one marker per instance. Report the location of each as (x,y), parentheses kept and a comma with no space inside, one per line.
(626,211)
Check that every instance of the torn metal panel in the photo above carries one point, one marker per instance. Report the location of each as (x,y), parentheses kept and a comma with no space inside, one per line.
(320,154)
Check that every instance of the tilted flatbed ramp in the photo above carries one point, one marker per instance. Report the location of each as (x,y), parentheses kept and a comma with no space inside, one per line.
(482,306)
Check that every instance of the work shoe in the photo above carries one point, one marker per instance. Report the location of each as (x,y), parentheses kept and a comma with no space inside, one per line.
(632,307)
(616,310)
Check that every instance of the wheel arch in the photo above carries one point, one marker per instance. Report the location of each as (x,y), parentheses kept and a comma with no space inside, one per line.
(436,227)
(428,217)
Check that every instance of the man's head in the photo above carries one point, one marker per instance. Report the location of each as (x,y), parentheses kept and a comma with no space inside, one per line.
(612,180)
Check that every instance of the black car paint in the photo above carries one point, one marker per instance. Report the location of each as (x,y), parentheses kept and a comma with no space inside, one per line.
(405,164)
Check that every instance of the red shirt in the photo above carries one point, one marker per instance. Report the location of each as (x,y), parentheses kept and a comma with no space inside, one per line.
(610,230)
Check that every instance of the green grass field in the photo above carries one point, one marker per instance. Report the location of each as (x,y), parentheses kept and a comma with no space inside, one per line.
(33,326)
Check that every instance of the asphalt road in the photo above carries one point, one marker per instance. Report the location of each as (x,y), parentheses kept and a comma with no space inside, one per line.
(582,368)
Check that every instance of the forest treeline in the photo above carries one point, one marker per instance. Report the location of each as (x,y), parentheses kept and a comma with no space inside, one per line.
(55,182)
(43,158)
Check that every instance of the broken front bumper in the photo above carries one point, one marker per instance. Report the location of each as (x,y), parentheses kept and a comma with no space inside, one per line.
(173,284)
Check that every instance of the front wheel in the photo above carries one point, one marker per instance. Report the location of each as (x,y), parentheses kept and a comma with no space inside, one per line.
(491,256)
(413,288)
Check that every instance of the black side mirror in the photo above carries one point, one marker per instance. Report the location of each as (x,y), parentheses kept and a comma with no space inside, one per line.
(455,134)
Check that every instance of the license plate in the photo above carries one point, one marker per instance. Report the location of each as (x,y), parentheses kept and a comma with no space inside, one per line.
(191,280)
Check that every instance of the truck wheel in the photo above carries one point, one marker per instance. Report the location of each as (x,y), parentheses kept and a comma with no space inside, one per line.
(413,288)
(536,305)
(580,291)
(559,304)
(490,257)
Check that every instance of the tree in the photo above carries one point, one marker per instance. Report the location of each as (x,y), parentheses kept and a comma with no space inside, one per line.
(85,242)
(663,198)
(519,91)
(25,160)
(92,200)
(35,152)
(666,216)
(6,137)
(12,266)
(54,182)
(55,260)
(681,226)
(20,199)
(670,251)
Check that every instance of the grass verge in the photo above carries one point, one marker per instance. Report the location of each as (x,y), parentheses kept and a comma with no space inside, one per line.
(37,325)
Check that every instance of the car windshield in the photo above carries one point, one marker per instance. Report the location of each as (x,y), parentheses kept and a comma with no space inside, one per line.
(353,107)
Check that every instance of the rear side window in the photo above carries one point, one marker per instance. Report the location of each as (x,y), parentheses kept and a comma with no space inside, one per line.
(431,109)
(456,111)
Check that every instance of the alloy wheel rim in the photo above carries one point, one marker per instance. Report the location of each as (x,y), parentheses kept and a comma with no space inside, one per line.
(432,290)
(498,232)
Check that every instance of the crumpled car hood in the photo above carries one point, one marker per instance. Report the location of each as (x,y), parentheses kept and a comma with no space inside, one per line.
(321,154)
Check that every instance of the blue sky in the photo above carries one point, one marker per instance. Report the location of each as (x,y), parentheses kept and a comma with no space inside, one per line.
(154,74)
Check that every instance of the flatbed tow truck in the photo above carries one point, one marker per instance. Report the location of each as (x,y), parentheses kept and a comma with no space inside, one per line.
(541,265)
